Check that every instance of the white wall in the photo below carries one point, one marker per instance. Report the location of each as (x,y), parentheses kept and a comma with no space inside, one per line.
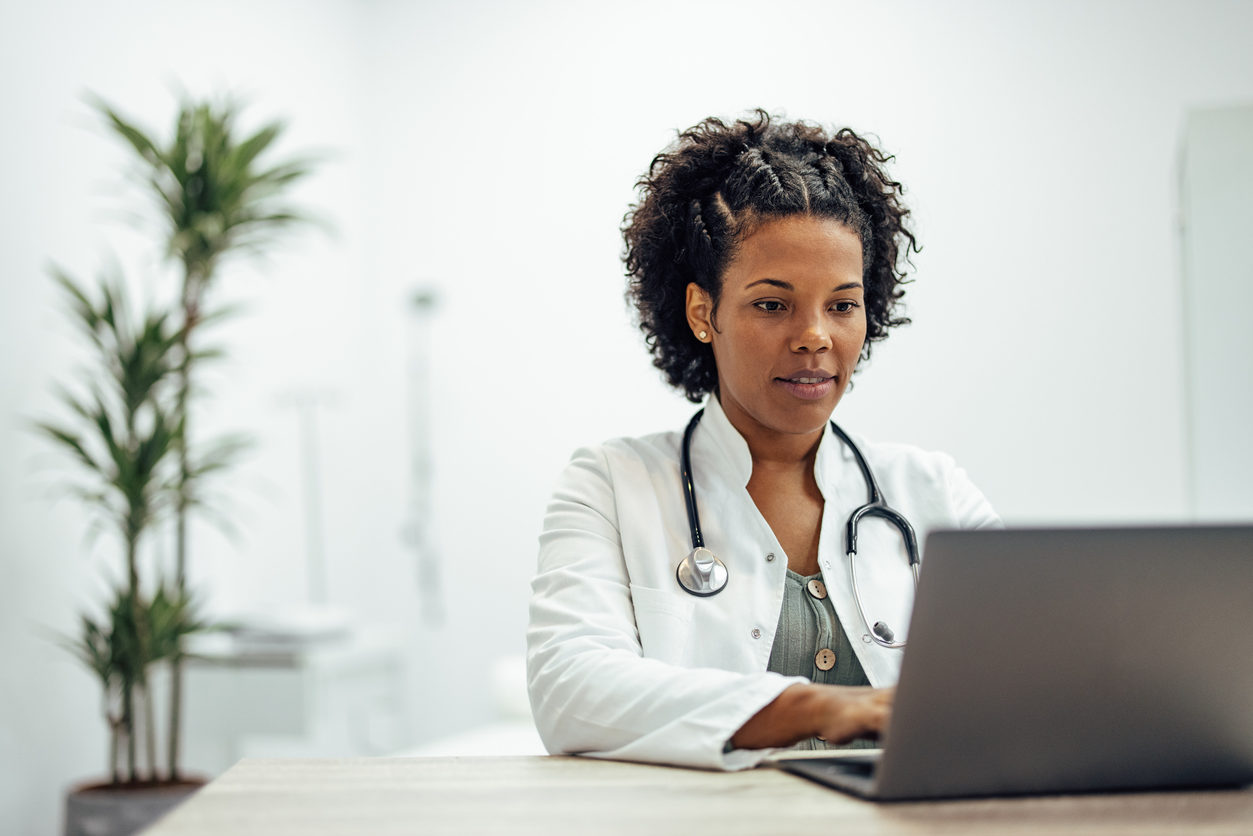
(1215,185)
(489,150)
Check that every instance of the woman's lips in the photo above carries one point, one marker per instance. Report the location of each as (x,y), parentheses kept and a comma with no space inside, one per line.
(807,387)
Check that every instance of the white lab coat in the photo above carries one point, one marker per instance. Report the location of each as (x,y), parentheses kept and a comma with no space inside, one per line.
(623,663)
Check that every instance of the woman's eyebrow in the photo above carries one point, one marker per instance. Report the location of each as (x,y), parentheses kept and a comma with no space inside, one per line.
(782,285)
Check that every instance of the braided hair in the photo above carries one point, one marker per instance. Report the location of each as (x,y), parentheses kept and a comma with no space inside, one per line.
(717,183)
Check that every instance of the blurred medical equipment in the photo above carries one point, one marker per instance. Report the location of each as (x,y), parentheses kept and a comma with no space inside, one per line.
(307,402)
(417,533)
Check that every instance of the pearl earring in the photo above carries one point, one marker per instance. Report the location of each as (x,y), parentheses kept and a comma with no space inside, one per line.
(703,335)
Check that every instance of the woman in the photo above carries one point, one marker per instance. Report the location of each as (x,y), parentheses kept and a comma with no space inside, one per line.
(764,260)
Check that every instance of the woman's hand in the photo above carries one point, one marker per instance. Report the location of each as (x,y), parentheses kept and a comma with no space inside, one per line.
(835,713)
(852,712)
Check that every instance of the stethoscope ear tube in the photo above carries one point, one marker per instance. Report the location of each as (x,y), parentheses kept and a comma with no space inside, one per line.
(880,633)
(894,517)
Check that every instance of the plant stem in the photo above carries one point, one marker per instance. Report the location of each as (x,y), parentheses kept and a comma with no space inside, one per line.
(128,677)
(150,733)
(190,317)
(128,726)
(176,703)
(115,732)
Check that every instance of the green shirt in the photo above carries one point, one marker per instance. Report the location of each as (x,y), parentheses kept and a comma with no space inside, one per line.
(809,632)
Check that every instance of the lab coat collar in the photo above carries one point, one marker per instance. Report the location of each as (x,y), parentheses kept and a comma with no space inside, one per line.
(729,449)
(726,446)
(831,464)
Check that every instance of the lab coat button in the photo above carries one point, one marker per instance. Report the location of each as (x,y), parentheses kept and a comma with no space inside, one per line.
(825,659)
(770,557)
(756,633)
(817,589)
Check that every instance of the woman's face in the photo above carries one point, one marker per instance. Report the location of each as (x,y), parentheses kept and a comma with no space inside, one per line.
(789,326)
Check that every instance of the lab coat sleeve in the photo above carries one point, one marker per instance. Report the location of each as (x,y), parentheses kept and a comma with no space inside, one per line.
(592,690)
(969,507)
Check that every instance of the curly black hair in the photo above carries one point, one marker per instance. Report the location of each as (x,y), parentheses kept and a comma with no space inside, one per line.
(717,182)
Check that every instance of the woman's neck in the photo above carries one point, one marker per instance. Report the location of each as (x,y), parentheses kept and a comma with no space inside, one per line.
(772,449)
(783,451)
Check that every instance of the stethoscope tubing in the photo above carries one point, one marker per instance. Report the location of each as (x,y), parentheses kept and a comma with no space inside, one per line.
(699,583)
(689,489)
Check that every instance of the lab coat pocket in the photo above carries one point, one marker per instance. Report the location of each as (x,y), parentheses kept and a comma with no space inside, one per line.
(664,622)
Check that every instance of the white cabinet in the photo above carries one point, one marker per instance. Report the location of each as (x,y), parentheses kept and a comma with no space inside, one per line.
(330,697)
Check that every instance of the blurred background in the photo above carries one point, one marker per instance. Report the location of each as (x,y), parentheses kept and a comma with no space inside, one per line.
(415,379)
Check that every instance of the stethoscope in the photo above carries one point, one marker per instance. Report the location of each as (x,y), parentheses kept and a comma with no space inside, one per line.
(702,573)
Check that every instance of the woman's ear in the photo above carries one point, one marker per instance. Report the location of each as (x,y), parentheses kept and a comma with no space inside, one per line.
(700,312)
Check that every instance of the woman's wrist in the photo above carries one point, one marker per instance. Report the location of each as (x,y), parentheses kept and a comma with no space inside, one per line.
(791,717)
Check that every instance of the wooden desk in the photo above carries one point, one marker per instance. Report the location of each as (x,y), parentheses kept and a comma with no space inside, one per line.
(562,795)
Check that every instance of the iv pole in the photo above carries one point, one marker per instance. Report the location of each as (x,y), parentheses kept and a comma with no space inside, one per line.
(417,533)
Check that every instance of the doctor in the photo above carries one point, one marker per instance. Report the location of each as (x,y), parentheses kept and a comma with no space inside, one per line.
(764,260)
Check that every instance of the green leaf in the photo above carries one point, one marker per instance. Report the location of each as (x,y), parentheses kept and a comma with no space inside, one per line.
(255,144)
(134,137)
(209,182)
(71,441)
(120,434)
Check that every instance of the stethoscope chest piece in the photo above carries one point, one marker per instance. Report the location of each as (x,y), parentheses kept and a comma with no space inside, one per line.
(701,573)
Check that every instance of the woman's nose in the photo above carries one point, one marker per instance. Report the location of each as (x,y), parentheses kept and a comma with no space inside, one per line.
(812,335)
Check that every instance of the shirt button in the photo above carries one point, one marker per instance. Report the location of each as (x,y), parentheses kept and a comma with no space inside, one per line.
(770,557)
(756,633)
(825,659)
(817,589)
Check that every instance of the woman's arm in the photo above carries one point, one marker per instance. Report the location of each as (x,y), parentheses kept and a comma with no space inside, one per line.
(592,689)
(970,508)
(835,713)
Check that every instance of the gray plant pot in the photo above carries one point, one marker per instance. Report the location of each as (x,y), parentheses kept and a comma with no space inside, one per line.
(106,810)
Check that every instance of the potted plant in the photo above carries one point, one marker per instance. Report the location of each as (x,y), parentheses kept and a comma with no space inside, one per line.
(215,197)
(120,432)
(128,434)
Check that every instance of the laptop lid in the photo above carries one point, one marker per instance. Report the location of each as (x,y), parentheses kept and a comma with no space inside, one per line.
(1053,660)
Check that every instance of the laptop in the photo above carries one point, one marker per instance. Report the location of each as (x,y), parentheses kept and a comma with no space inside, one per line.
(1068,660)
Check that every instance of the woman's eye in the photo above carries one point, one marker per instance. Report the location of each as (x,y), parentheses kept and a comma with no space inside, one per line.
(845,307)
(769,305)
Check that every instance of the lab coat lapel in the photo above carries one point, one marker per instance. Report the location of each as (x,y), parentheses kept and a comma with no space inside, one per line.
(720,453)
(737,533)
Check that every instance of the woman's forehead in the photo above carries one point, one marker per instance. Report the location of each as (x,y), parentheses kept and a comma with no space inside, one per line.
(797,247)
